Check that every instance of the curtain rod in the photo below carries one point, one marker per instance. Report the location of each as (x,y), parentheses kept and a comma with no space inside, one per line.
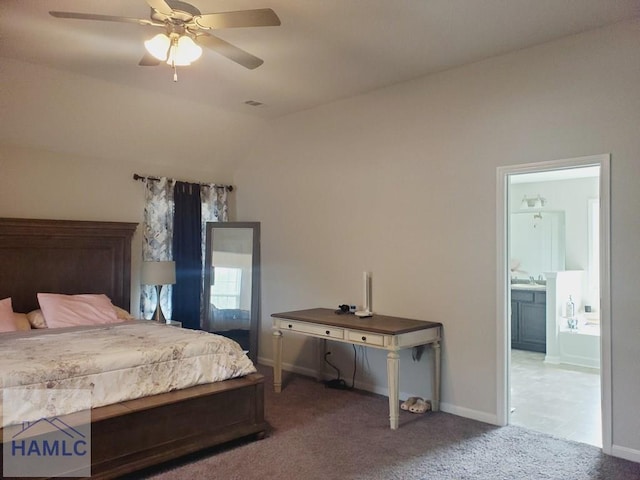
(142,178)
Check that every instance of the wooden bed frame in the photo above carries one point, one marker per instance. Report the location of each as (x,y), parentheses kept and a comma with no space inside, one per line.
(72,257)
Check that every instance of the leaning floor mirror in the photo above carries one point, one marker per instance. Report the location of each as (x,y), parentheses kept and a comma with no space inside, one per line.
(232,282)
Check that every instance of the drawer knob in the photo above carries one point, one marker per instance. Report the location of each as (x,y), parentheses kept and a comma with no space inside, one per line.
(327,332)
(364,339)
(290,326)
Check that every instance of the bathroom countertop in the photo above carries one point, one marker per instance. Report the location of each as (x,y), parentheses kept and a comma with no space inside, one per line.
(528,286)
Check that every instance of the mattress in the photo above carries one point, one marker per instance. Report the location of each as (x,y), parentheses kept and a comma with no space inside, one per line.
(114,362)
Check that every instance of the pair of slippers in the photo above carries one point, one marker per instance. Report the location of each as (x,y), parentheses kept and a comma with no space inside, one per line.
(416,405)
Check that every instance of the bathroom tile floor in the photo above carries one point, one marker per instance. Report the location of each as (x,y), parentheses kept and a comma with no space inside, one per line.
(561,400)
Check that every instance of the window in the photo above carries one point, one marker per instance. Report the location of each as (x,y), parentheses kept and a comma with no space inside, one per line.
(594,252)
(225,291)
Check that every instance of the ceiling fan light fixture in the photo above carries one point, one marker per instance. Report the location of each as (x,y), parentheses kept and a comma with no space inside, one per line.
(158,46)
(183,23)
(183,51)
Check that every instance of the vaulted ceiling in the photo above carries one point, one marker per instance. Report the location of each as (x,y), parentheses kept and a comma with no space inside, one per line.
(323,51)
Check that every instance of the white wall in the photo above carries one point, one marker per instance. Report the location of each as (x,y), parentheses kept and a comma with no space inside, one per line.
(402,182)
(69,146)
(41,184)
(56,111)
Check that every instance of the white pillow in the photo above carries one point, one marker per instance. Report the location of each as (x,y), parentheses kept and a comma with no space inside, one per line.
(21,320)
(122,314)
(36,319)
(73,310)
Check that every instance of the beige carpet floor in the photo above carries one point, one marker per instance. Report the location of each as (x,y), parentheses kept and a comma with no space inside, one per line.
(320,433)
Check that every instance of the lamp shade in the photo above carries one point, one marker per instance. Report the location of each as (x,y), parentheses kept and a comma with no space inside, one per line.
(158,273)
(183,51)
(158,46)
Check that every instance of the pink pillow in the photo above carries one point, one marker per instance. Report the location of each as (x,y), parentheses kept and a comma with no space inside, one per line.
(7,320)
(73,310)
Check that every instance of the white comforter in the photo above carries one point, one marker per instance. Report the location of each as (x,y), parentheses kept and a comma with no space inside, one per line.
(115,362)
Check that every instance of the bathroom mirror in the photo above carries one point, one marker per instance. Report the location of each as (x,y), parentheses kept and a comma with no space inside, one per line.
(537,243)
(232,282)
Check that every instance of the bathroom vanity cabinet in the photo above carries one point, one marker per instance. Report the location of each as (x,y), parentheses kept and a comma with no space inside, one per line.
(529,320)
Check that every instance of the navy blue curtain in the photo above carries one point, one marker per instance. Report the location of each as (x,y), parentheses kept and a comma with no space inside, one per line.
(187,253)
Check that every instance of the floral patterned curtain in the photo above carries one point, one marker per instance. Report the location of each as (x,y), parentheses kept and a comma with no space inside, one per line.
(158,232)
(157,240)
(214,204)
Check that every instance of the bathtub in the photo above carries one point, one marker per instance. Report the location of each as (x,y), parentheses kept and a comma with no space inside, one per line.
(579,346)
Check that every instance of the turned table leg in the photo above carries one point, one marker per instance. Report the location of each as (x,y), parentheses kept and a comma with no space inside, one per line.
(277,361)
(435,405)
(393,369)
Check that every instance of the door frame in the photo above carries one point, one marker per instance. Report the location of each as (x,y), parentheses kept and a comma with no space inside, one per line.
(503,329)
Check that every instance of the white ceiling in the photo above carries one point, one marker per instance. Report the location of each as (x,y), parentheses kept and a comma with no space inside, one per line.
(324,50)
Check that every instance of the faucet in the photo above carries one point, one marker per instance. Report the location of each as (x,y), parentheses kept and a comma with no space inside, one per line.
(532,280)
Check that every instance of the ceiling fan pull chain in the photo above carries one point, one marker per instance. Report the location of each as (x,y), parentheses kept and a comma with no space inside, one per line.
(175,73)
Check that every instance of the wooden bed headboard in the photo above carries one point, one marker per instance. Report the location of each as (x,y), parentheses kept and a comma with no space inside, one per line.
(64,256)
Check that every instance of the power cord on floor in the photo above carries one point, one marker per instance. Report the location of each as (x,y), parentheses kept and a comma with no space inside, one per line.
(339,383)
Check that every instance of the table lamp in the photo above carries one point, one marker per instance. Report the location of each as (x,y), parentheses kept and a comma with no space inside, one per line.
(158,274)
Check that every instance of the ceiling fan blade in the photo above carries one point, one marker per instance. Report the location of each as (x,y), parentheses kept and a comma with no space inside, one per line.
(160,6)
(105,18)
(230,51)
(262,17)
(148,60)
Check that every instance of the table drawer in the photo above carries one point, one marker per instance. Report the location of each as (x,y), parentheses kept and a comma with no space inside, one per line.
(365,338)
(312,329)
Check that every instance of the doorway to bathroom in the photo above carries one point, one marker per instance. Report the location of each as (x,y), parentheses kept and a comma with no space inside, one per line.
(554,298)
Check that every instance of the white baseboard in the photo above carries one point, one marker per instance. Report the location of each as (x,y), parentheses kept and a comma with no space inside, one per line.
(384,391)
(288,367)
(469,413)
(310,372)
(492,419)
(626,453)
(581,361)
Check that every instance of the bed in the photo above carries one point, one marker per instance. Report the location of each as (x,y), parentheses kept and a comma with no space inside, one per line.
(74,257)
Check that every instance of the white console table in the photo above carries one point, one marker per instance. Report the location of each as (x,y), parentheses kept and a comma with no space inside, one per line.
(379,331)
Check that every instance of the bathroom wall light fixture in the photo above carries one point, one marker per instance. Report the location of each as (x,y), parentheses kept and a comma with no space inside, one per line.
(532,202)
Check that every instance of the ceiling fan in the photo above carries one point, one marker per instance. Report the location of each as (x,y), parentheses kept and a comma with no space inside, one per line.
(183,25)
